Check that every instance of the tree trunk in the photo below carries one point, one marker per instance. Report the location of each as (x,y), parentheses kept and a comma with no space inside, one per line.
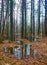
(7,18)
(23,35)
(2,18)
(32,21)
(38,17)
(46,17)
(11,20)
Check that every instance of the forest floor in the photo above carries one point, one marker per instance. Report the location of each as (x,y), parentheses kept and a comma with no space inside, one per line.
(41,47)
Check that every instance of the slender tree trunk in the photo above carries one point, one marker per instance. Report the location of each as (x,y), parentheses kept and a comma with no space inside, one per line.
(23,35)
(22,31)
(2,17)
(7,18)
(25,19)
(11,20)
(46,17)
(14,26)
(38,17)
(0,26)
(32,21)
(31,26)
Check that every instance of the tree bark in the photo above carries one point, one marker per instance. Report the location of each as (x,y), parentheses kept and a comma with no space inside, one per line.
(46,17)
(11,20)
(38,17)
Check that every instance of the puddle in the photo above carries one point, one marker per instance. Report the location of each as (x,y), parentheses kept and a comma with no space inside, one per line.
(5,49)
(35,54)
(20,42)
(18,53)
(22,52)
(28,50)
(36,40)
